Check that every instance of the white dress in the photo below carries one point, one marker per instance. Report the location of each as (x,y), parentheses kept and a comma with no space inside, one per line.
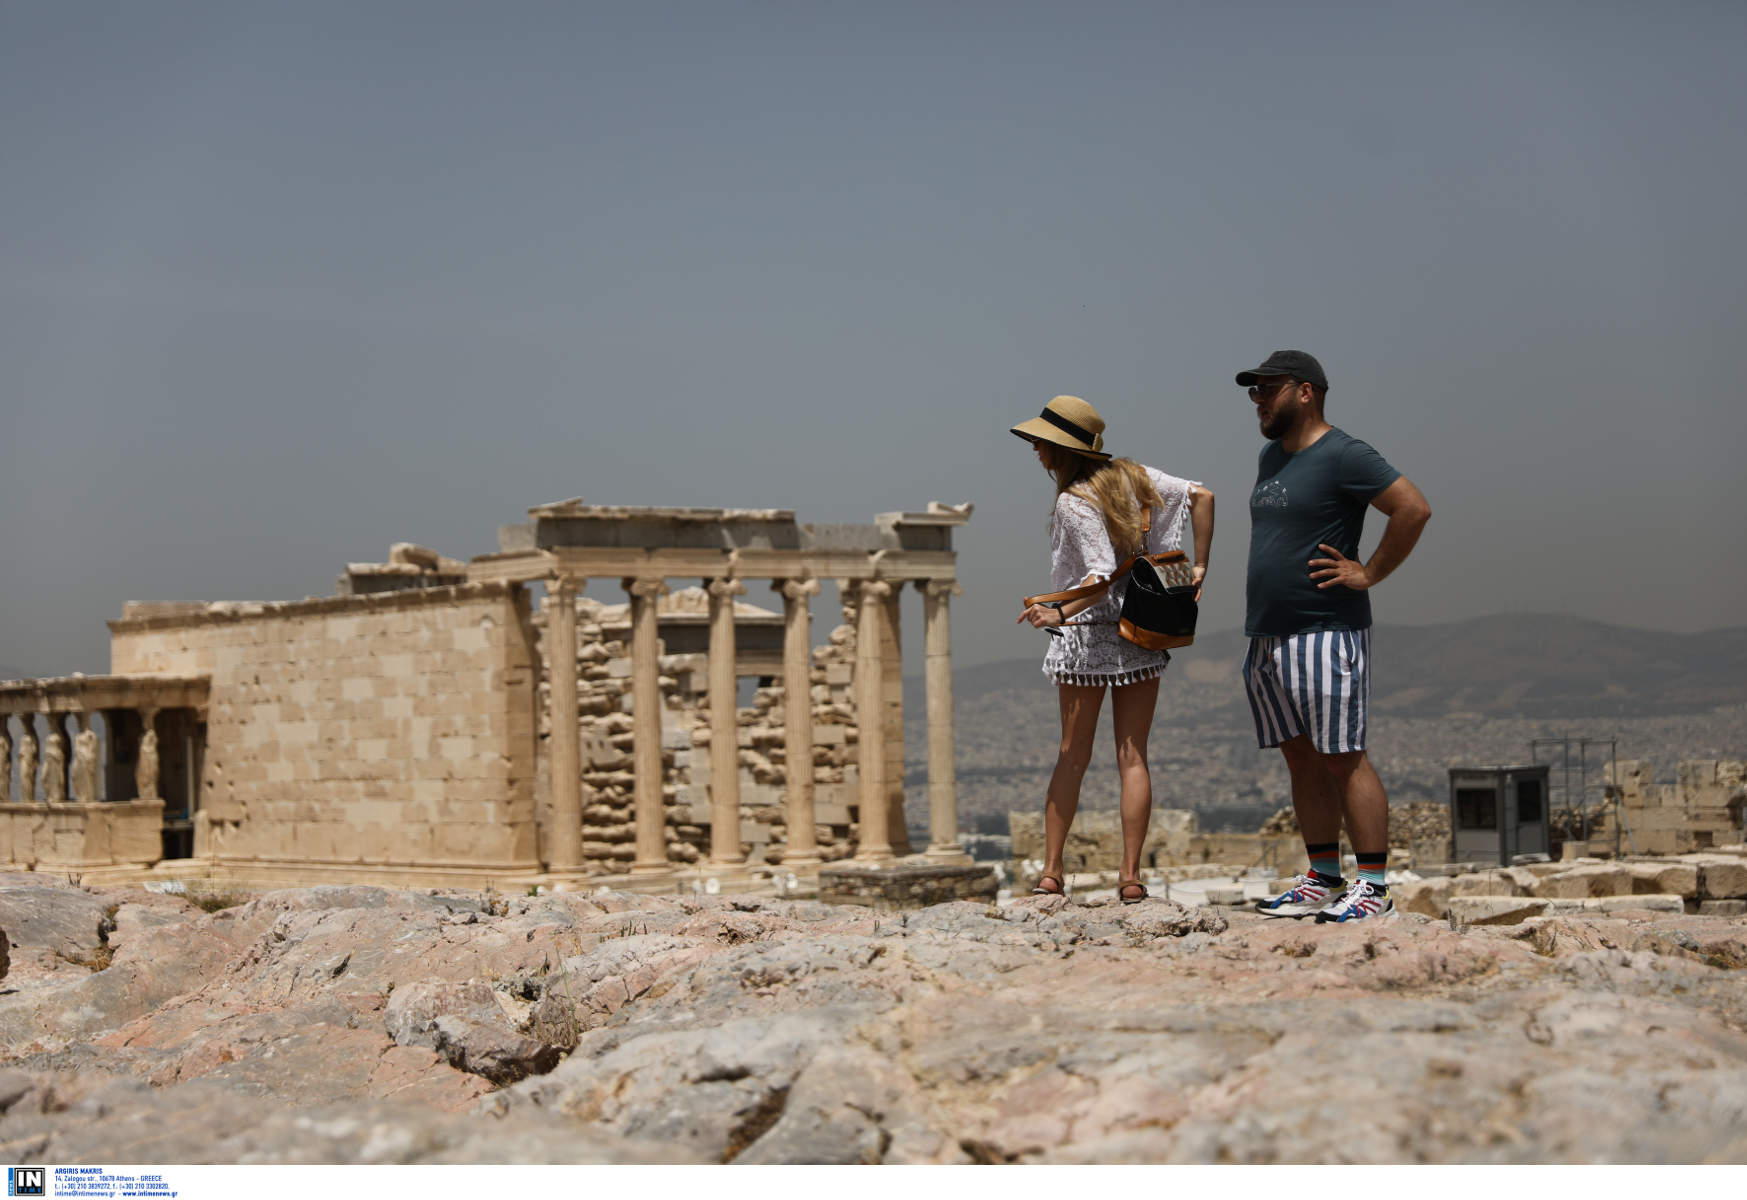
(1079,546)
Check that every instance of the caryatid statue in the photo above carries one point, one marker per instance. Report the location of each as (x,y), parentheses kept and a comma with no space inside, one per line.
(85,766)
(145,772)
(27,762)
(54,766)
(5,760)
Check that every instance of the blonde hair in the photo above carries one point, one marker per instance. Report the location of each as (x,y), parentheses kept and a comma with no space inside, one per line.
(1120,489)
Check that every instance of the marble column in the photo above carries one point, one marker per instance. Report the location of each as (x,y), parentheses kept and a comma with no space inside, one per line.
(892,708)
(54,761)
(27,749)
(803,846)
(85,762)
(651,817)
(870,694)
(724,726)
(5,758)
(145,771)
(942,768)
(564,745)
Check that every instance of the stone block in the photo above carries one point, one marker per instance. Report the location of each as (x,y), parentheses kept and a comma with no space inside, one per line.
(1722,908)
(1665,841)
(1429,896)
(1490,883)
(1664,878)
(1642,903)
(1230,896)
(1696,773)
(1173,820)
(1721,877)
(1656,820)
(1495,910)
(905,885)
(1583,882)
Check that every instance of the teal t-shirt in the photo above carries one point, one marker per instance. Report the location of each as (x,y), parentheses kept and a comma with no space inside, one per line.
(1318,495)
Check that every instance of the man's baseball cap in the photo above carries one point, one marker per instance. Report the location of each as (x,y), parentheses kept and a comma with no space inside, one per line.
(1295,363)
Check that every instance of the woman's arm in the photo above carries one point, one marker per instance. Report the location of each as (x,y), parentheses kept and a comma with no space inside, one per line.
(1201,523)
(1080,549)
(1046,616)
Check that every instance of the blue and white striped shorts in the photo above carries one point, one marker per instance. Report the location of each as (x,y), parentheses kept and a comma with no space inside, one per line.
(1312,683)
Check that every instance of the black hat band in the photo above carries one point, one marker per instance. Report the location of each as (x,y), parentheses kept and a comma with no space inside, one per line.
(1068,427)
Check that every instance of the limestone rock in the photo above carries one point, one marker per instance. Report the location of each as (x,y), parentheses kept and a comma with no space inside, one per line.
(1664,877)
(1639,903)
(490,1049)
(1581,883)
(329,1025)
(1494,910)
(412,1010)
(1489,883)
(53,920)
(1430,897)
(1721,877)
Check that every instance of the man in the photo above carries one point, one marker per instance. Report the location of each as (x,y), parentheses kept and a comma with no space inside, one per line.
(1307,673)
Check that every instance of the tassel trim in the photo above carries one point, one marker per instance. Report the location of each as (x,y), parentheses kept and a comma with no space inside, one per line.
(1120,679)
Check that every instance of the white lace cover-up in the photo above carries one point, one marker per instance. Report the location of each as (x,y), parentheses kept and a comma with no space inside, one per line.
(1096,655)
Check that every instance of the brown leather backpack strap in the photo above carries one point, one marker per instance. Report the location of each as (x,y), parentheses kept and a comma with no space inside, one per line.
(1090,589)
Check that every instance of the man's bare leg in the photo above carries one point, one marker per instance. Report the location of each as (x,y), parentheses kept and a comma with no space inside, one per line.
(1316,798)
(1363,801)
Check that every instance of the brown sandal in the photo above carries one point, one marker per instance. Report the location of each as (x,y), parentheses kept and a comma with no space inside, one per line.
(1123,885)
(1060,889)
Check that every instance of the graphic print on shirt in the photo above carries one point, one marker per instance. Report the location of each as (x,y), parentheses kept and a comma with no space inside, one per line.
(1271,494)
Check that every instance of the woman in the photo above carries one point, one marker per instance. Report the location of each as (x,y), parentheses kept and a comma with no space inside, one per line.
(1105,511)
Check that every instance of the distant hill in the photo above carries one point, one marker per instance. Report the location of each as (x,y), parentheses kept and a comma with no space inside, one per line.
(1511,665)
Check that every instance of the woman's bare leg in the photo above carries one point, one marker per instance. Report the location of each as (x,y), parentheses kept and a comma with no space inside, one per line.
(1131,710)
(1079,707)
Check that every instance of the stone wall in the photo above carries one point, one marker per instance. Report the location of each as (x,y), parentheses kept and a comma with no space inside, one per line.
(1701,809)
(603,673)
(81,836)
(394,729)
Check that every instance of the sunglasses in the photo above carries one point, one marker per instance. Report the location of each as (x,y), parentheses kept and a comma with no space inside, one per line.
(1268,389)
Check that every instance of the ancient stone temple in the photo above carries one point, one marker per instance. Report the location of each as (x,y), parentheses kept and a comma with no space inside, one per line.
(432,724)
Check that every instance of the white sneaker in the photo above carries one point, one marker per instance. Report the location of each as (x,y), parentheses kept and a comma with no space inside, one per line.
(1306,896)
(1362,900)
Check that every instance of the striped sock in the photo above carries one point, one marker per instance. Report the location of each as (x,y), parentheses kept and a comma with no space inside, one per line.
(1371,867)
(1325,861)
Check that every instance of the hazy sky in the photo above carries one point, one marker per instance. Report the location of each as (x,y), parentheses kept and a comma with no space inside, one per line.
(283,284)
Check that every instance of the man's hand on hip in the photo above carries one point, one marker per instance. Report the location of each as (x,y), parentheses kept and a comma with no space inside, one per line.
(1341,570)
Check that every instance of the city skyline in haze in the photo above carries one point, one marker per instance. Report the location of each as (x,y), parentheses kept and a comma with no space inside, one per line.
(282,286)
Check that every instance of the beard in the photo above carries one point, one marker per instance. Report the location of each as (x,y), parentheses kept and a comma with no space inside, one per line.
(1278,424)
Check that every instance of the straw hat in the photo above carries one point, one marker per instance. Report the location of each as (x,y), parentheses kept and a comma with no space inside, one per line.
(1068,422)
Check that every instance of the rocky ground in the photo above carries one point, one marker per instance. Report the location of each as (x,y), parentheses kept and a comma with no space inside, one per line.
(367,1025)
